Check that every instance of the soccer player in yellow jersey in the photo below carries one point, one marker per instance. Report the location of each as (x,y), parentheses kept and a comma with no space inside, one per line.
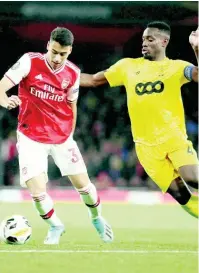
(156,112)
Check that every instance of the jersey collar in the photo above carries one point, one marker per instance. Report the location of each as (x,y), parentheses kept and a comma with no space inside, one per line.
(54,71)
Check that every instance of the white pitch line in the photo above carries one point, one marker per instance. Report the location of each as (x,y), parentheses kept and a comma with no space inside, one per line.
(101,251)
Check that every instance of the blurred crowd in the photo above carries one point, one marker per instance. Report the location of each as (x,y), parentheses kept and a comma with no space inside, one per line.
(104,137)
(103,127)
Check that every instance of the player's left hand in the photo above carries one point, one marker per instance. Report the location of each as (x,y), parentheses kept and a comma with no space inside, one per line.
(193,38)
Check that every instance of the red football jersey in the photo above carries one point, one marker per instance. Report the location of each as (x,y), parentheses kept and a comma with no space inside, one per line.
(45,113)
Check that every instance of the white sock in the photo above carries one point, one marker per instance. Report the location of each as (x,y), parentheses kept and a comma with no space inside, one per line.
(44,205)
(91,199)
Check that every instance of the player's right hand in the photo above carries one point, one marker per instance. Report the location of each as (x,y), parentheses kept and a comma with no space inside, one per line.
(13,102)
(193,38)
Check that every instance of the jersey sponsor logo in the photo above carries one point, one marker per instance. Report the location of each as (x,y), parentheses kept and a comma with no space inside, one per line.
(65,84)
(46,95)
(149,88)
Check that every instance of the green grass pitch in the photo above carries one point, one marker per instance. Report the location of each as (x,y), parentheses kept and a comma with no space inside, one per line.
(156,239)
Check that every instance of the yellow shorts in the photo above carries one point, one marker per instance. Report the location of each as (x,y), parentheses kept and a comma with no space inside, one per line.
(162,162)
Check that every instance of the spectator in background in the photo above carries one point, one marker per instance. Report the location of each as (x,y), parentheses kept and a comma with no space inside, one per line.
(9,156)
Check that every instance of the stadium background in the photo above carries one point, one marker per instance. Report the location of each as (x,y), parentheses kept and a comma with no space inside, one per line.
(104,32)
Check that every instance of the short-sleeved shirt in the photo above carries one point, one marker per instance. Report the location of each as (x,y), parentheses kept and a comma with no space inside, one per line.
(45,114)
(153,96)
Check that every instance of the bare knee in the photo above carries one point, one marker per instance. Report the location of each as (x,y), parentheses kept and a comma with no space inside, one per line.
(189,173)
(37,185)
(79,180)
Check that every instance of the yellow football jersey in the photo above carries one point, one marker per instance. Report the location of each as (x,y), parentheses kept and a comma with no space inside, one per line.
(153,96)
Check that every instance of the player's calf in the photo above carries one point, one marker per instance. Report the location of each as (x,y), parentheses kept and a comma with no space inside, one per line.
(45,207)
(92,201)
(181,193)
(189,174)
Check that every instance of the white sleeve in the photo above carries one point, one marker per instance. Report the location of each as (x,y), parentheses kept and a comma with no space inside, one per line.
(73,92)
(20,69)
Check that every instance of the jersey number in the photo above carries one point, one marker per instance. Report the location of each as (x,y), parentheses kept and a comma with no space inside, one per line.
(75,157)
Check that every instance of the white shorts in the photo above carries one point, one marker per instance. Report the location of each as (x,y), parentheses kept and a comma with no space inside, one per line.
(33,158)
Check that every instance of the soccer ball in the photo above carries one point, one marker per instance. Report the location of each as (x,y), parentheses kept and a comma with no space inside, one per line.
(15,230)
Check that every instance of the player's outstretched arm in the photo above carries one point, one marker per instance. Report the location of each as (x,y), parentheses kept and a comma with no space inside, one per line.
(5,101)
(93,80)
(193,40)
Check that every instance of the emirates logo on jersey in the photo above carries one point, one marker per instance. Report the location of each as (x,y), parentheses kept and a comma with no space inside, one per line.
(65,84)
(46,95)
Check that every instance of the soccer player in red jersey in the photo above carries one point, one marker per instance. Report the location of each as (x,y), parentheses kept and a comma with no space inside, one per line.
(47,100)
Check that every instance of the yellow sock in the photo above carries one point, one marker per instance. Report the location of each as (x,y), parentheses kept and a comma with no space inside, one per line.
(192,206)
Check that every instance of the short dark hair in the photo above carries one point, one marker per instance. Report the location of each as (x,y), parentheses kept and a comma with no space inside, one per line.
(63,36)
(161,26)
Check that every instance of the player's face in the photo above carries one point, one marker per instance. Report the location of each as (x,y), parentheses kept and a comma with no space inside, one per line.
(153,43)
(57,54)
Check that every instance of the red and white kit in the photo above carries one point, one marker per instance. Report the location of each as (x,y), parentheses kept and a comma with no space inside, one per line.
(45,115)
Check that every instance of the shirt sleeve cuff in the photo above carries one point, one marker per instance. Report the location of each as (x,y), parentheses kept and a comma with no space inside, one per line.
(10,79)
